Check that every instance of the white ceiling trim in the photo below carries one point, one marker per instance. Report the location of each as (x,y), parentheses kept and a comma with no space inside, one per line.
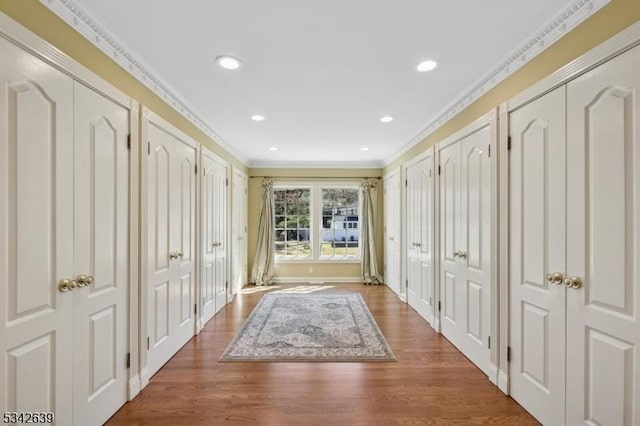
(573,15)
(93,31)
(316,164)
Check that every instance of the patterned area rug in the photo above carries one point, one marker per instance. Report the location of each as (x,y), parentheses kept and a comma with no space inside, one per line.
(309,327)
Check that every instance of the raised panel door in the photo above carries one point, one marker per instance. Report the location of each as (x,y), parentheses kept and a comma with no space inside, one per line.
(392,207)
(537,248)
(451,271)
(420,236)
(182,237)
(220,233)
(603,236)
(475,230)
(238,254)
(36,235)
(208,239)
(101,212)
(171,201)
(160,163)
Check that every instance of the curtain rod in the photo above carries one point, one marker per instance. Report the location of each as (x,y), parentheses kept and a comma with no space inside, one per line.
(317,177)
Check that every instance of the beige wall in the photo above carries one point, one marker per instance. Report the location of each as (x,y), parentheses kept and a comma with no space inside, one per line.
(40,20)
(610,20)
(320,270)
(607,22)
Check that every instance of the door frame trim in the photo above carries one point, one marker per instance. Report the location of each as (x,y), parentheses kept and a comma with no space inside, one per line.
(147,116)
(490,120)
(609,49)
(27,40)
(395,172)
(429,152)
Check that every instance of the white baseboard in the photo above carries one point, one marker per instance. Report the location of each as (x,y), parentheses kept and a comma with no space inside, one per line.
(436,325)
(134,386)
(316,280)
(493,373)
(503,381)
(144,378)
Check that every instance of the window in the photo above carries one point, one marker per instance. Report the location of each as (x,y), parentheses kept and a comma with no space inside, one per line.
(340,234)
(292,212)
(317,222)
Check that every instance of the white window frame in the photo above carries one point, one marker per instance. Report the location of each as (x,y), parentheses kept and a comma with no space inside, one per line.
(315,227)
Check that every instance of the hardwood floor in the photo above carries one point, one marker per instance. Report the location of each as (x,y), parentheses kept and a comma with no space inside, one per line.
(432,382)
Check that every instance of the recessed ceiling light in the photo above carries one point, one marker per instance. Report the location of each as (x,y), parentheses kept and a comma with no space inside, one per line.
(425,66)
(228,62)
(386,119)
(273,148)
(364,148)
(258,117)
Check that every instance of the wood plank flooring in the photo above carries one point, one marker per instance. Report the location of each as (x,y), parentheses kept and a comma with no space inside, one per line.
(432,382)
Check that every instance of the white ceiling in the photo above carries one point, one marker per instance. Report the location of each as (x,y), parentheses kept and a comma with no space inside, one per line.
(321,72)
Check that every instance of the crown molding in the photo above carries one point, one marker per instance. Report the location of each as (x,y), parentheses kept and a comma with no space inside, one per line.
(573,15)
(93,31)
(258,164)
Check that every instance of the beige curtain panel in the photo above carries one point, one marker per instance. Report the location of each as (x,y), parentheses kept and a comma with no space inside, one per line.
(263,264)
(369,262)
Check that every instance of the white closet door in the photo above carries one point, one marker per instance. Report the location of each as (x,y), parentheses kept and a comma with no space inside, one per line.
(213,234)
(36,235)
(603,236)
(101,166)
(451,268)
(475,246)
(183,238)
(420,235)
(537,244)
(393,230)
(208,239)
(238,255)
(220,234)
(170,243)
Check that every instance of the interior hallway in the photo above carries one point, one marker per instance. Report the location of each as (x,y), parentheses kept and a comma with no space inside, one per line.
(431,382)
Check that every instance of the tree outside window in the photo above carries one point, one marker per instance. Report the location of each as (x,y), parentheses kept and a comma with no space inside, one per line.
(292,211)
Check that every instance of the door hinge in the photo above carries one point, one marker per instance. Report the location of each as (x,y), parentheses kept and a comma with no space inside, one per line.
(226,285)
(439,169)
(148,343)
(508,353)
(195,309)
(196,170)
(509,143)
(226,181)
(406,182)
(489,342)
(129,141)
(148,148)
(129,360)
(489,150)
(439,306)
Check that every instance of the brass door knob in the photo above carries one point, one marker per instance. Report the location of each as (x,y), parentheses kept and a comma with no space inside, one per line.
(173,255)
(573,282)
(462,254)
(66,285)
(555,277)
(180,254)
(84,280)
